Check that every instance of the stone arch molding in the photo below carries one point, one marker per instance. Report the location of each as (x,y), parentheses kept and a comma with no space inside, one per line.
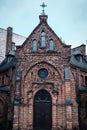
(44,64)
(53,97)
(33,83)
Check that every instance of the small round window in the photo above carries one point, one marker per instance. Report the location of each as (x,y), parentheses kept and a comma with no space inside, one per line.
(43,73)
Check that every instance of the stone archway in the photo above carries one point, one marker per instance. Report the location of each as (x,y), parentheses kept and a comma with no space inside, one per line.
(42,111)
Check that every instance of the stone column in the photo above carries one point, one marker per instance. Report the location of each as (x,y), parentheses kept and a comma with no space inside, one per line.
(54,110)
(68,99)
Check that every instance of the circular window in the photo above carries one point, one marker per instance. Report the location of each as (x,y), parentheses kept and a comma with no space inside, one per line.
(43,73)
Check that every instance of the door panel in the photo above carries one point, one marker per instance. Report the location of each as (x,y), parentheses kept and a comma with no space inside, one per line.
(43,113)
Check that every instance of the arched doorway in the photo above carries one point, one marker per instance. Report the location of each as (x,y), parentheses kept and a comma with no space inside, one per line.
(42,111)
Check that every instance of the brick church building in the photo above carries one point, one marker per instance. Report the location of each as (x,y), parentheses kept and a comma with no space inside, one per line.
(43,83)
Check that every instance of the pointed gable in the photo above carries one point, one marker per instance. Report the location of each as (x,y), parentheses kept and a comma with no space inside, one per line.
(43,39)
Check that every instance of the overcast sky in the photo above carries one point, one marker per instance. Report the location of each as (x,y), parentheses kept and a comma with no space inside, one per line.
(68,18)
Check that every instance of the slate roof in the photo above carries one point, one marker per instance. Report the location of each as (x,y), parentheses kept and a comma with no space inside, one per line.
(8,62)
(75,62)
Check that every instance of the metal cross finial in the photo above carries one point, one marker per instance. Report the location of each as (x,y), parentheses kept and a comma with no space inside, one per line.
(43,6)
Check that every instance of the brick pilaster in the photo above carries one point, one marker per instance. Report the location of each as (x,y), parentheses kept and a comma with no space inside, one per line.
(16,118)
(68,106)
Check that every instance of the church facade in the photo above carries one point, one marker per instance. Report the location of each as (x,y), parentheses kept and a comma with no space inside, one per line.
(43,83)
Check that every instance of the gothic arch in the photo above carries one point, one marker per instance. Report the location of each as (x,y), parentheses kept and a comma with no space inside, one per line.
(43,89)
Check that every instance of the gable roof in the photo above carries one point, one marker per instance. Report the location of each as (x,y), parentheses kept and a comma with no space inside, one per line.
(75,62)
(51,30)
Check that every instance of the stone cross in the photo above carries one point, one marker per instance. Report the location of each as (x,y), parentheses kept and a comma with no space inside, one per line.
(43,6)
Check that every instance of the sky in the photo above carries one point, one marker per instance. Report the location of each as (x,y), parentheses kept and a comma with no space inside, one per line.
(68,18)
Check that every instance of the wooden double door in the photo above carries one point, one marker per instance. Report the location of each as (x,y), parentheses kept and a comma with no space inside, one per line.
(42,111)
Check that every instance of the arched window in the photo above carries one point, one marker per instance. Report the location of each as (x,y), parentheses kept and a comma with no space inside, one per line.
(79,58)
(43,39)
(34,45)
(51,45)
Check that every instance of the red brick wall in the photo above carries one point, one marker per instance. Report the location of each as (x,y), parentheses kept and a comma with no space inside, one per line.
(55,62)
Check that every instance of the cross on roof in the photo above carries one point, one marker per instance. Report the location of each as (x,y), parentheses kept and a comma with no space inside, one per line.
(43,6)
